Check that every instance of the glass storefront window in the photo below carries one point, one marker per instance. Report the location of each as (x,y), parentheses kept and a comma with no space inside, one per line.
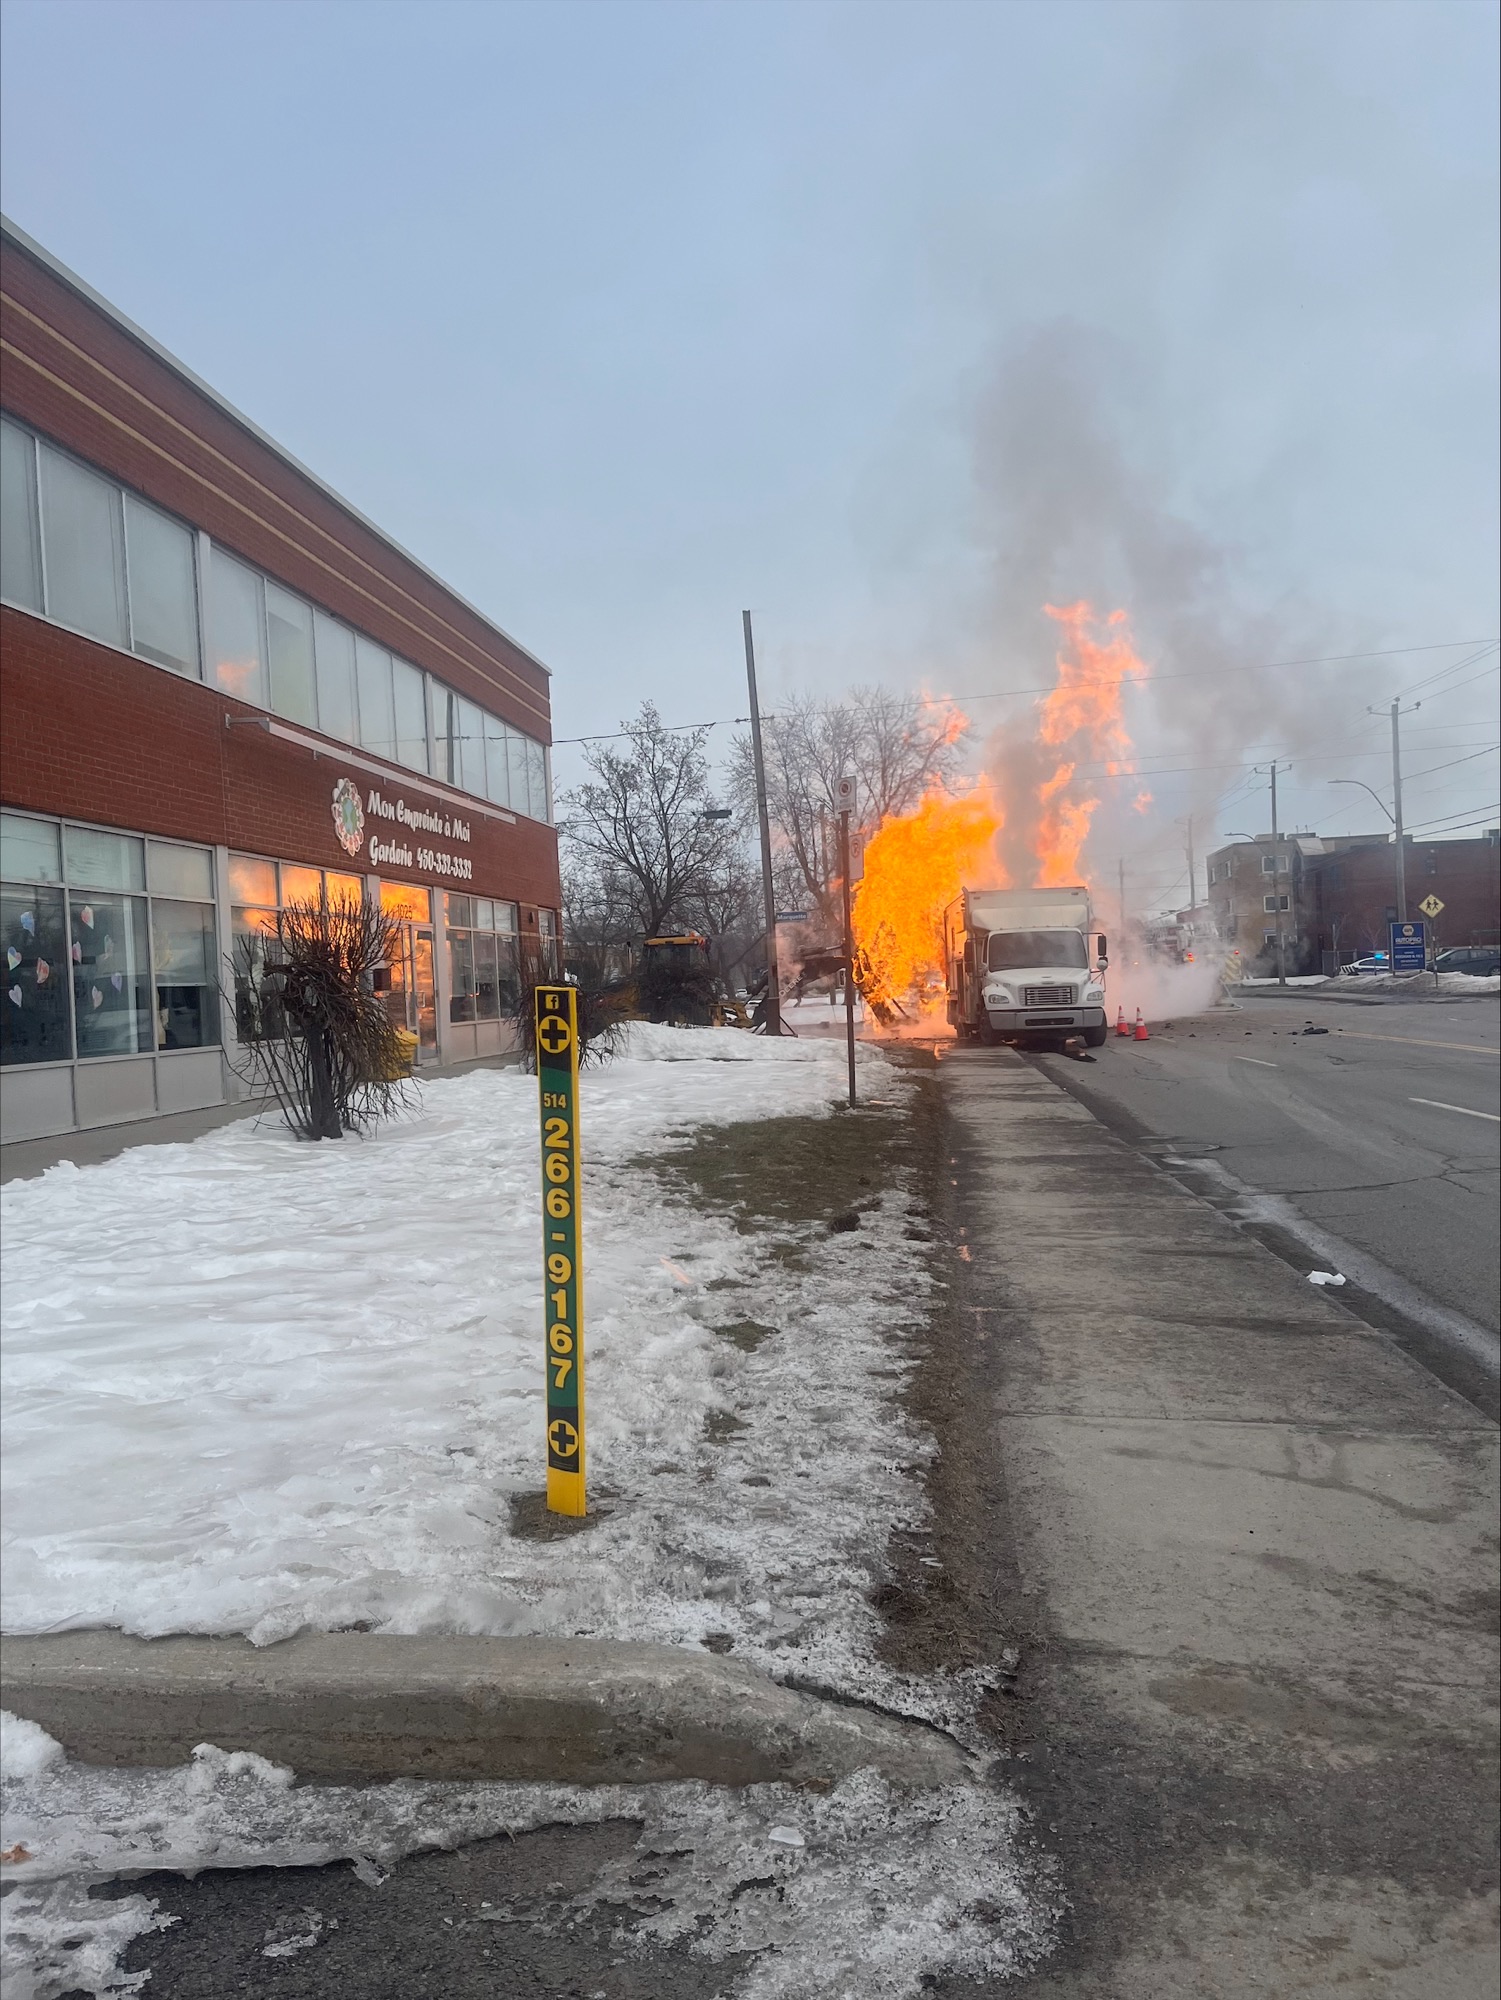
(30,849)
(99,860)
(253,930)
(461,975)
(301,885)
(486,976)
(187,872)
(34,1013)
(251,880)
(345,889)
(401,899)
(111,974)
(459,910)
(184,952)
(497,771)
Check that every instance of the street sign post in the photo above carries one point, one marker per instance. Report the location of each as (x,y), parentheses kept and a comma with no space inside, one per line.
(1408,945)
(562,1245)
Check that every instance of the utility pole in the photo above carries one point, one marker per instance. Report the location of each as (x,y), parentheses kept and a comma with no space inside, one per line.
(1190,867)
(849,948)
(1395,711)
(773,1003)
(1276,892)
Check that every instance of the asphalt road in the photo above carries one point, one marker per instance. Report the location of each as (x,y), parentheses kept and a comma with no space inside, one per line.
(1375,1144)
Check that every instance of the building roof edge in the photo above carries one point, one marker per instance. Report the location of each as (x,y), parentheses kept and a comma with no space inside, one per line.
(12,232)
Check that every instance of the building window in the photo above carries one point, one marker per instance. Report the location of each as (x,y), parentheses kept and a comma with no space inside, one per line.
(139,968)
(1268,937)
(333,648)
(79,548)
(237,652)
(547,937)
(289,646)
(1273,903)
(259,890)
(484,960)
(1268,864)
(160,564)
(83,539)
(36,1024)
(20,537)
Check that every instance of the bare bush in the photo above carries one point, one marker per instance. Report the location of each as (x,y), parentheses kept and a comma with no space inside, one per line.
(314,1032)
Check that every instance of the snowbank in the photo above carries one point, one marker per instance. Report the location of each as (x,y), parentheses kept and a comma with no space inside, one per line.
(251,1385)
(865,1889)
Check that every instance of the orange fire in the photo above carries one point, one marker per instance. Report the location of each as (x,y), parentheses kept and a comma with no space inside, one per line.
(915,864)
(1082,717)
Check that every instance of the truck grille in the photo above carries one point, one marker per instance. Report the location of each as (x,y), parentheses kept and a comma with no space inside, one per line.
(1047,996)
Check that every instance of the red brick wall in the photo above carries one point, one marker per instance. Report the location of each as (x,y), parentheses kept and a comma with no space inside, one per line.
(1465,875)
(90,733)
(80,378)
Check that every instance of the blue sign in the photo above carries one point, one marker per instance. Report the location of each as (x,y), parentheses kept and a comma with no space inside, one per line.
(1409,947)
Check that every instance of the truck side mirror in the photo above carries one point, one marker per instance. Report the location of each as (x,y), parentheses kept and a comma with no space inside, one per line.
(1102,948)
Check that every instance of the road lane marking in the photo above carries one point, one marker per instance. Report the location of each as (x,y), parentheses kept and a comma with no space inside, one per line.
(1254,1059)
(1419,1042)
(1463,1109)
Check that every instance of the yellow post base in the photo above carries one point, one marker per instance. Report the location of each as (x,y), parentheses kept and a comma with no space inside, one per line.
(565,1493)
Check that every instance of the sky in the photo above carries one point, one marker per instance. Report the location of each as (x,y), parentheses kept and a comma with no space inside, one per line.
(893,323)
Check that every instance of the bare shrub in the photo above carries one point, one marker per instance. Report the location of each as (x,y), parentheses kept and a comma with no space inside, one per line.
(314,1032)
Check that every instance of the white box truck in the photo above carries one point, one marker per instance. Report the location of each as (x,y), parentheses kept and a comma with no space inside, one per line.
(1024,966)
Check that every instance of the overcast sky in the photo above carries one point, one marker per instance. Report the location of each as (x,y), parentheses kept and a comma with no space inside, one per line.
(890,322)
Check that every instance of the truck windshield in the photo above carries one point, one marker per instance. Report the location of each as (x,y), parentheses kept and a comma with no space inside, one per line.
(1007,950)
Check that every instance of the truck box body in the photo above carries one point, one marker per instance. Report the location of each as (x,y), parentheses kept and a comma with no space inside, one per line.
(1024,965)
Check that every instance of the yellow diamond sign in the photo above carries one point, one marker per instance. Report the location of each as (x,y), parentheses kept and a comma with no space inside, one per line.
(1430,906)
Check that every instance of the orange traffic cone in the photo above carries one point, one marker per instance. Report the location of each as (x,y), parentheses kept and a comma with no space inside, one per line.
(1141,1027)
(1120,1023)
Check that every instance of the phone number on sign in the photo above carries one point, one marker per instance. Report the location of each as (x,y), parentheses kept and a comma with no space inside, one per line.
(445,864)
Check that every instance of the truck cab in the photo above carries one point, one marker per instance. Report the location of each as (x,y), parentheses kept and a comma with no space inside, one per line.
(1025,966)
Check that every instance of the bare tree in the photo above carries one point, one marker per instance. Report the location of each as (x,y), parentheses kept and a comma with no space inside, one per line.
(897,746)
(640,847)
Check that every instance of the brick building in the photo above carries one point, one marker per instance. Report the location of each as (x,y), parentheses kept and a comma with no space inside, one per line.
(1332,897)
(224,689)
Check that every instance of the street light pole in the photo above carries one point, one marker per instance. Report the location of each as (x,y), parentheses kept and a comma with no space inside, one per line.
(773,1003)
(849,950)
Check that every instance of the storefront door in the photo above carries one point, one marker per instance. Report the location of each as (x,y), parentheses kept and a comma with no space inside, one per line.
(413,998)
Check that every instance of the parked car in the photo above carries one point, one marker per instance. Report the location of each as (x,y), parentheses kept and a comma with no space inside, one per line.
(1375,963)
(1481,961)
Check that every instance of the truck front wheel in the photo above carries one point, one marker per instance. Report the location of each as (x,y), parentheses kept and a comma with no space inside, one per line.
(1094,1038)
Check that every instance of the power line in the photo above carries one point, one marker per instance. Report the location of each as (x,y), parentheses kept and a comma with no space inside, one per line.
(1149,679)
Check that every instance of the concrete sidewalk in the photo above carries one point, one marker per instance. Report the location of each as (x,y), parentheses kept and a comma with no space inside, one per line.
(1254,1546)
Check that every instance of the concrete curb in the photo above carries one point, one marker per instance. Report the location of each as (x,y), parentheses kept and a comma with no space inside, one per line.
(349,1706)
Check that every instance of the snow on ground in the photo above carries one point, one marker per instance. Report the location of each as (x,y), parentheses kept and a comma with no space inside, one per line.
(252,1384)
(866,1890)
(1416,985)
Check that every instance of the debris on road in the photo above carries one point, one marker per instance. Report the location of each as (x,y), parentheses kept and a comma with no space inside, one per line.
(1325,1278)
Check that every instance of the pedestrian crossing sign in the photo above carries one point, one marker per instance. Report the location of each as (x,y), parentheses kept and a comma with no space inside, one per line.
(1430,906)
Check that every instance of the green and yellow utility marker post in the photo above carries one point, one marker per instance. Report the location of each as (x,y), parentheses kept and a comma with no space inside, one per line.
(562,1244)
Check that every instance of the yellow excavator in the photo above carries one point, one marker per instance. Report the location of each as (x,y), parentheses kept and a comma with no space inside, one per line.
(676,981)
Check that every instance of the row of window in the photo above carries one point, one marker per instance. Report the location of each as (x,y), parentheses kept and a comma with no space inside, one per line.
(80,549)
(110,945)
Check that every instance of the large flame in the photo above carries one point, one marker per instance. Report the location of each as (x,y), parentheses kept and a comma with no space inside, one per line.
(915,864)
(1081,720)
